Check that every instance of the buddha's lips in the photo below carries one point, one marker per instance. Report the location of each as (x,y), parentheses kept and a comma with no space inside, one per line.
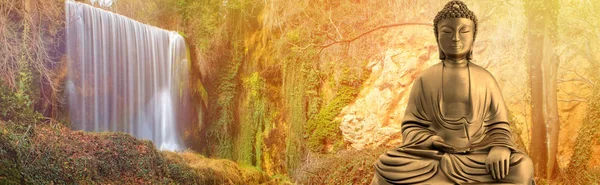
(456,46)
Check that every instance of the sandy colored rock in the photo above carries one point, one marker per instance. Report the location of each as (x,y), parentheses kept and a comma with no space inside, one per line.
(374,118)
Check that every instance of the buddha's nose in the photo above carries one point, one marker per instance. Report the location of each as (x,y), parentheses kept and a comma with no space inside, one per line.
(456,37)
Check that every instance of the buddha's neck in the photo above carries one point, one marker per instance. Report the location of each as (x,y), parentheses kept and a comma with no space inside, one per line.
(456,62)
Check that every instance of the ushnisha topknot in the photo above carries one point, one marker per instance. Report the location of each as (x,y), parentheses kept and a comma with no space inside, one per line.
(454,9)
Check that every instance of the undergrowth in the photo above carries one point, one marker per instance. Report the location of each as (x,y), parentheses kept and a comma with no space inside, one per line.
(343,167)
(76,157)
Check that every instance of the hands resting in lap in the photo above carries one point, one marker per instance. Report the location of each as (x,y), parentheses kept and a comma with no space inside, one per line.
(497,162)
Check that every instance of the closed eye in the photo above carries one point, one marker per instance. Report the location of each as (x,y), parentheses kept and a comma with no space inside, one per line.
(446,30)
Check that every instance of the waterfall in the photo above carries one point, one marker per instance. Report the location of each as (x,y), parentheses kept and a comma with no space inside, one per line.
(125,76)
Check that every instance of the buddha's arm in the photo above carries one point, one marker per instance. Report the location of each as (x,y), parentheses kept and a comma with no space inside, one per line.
(497,128)
(415,132)
(498,138)
(416,135)
(422,138)
(497,135)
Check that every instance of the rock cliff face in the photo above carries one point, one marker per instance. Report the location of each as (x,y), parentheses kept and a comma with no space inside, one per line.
(374,118)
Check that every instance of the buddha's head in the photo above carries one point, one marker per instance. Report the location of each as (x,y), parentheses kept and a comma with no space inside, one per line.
(455,28)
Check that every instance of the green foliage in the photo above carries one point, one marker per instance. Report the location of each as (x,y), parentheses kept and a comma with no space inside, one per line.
(277,49)
(17,105)
(202,19)
(252,128)
(222,42)
(9,166)
(293,36)
(312,91)
(118,157)
(34,37)
(323,129)
(294,88)
(76,157)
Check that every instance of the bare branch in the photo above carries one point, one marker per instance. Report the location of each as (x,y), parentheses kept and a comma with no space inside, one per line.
(584,79)
(572,100)
(296,47)
(336,28)
(371,31)
(572,80)
(572,94)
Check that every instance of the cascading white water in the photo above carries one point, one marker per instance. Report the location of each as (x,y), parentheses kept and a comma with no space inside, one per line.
(124,75)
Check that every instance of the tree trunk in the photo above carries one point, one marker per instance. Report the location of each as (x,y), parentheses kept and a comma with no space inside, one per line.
(550,71)
(543,65)
(538,146)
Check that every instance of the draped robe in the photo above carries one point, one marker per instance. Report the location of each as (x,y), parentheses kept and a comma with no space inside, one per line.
(484,126)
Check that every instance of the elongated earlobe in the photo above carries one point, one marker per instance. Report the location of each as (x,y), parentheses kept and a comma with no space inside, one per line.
(470,55)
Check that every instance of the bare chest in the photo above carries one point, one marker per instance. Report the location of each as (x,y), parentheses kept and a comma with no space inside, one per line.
(455,88)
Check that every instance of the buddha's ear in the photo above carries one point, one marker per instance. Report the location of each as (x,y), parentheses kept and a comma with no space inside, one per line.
(470,55)
(442,55)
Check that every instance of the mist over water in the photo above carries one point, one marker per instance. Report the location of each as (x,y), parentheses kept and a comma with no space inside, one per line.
(125,76)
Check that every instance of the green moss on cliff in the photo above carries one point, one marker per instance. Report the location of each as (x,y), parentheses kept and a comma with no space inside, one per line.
(294,88)
(322,129)
(253,126)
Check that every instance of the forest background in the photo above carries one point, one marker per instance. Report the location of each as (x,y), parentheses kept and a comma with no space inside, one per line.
(312,91)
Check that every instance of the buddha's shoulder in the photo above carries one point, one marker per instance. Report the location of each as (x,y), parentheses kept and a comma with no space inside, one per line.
(480,72)
(431,72)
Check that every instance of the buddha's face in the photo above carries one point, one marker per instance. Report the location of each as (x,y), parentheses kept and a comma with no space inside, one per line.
(455,37)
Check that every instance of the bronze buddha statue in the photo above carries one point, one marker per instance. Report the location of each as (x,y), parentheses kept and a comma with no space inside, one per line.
(455,129)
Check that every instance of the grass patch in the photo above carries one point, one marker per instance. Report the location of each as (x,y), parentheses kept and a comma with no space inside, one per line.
(345,167)
(54,154)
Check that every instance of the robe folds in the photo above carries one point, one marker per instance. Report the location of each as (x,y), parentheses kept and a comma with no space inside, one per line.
(484,126)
